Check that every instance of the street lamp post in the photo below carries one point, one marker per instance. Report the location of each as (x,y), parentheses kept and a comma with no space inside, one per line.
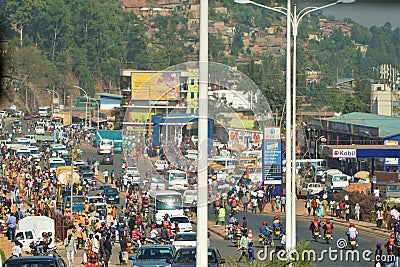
(86,105)
(323,140)
(293,19)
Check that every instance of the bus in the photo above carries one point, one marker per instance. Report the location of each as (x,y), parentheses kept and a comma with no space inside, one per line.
(177,180)
(226,162)
(164,202)
(335,179)
(55,162)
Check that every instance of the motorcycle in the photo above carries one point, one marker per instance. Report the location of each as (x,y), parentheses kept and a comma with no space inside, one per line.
(353,243)
(278,233)
(328,236)
(266,240)
(316,235)
(237,236)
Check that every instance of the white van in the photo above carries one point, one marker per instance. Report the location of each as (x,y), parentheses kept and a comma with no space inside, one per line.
(55,162)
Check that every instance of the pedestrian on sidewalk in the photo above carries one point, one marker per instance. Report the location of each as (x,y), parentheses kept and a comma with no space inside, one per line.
(379,218)
(314,206)
(388,218)
(272,203)
(105,174)
(337,209)
(357,212)
(283,203)
(308,206)
(278,203)
(347,211)
(70,248)
(221,216)
(332,205)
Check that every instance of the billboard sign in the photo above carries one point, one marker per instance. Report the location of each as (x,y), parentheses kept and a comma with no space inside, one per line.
(272,162)
(272,133)
(344,153)
(155,85)
(391,161)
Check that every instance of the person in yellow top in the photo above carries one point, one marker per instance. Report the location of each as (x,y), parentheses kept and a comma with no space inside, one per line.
(97,225)
(86,207)
(114,212)
(79,235)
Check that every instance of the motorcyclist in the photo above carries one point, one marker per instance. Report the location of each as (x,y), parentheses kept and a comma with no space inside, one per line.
(328,227)
(154,233)
(136,235)
(389,244)
(276,223)
(265,231)
(352,232)
(315,225)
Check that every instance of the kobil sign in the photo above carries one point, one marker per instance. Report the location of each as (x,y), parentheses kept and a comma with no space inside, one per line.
(344,153)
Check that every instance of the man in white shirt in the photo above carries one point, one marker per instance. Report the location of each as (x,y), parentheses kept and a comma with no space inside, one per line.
(16,250)
(395,214)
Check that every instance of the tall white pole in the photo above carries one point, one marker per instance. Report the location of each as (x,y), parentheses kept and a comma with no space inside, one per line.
(202,187)
(294,167)
(288,133)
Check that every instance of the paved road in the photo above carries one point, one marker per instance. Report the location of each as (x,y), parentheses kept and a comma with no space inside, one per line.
(366,241)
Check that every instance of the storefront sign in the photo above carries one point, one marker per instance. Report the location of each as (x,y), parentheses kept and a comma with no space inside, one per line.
(344,153)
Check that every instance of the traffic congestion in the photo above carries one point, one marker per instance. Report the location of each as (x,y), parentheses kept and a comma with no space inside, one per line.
(131,205)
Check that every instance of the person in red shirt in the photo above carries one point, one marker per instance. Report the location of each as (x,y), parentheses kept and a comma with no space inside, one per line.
(389,244)
(136,235)
(328,227)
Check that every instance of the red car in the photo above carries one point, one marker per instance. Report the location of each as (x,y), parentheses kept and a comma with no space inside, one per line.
(35,115)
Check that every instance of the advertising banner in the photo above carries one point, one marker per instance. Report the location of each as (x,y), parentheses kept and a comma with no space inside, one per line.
(272,162)
(391,161)
(344,153)
(155,85)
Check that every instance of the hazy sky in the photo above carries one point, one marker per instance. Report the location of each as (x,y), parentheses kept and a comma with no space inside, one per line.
(364,12)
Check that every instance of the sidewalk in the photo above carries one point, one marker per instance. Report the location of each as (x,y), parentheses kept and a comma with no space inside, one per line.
(302,213)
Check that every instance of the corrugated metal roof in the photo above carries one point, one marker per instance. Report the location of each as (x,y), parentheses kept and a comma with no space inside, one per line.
(387,125)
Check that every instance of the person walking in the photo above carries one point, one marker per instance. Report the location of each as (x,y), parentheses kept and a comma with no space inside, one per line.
(357,212)
(105,174)
(314,206)
(11,225)
(70,248)
(245,201)
(283,203)
(308,206)
(107,249)
(388,218)
(244,245)
(347,211)
(221,215)
(379,218)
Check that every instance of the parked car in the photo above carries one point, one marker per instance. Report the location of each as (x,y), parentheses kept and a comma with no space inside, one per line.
(183,223)
(310,189)
(330,193)
(184,240)
(158,255)
(187,257)
(106,159)
(112,195)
